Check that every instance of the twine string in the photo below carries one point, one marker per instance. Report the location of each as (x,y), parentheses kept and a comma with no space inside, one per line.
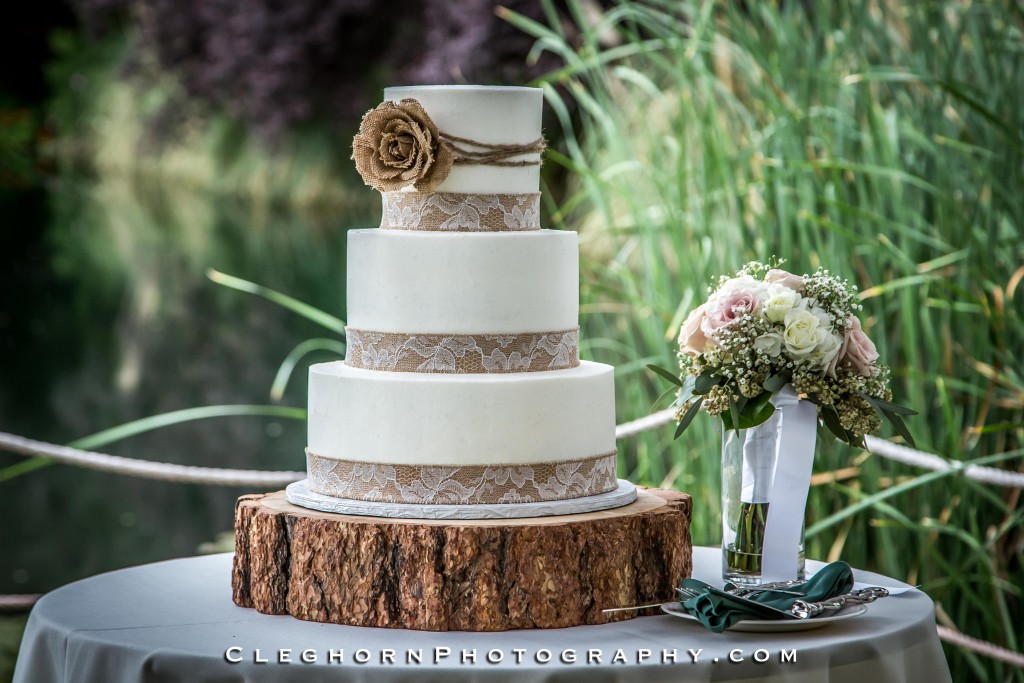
(490,154)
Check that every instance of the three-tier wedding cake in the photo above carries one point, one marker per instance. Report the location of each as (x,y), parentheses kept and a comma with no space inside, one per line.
(461,459)
(462,384)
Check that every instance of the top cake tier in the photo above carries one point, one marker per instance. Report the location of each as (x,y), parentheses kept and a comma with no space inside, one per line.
(492,115)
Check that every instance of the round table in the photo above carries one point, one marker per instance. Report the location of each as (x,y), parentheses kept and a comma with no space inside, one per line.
(175,621)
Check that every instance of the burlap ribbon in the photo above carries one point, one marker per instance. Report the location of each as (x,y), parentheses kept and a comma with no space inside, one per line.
(462,353)
(461,484)
(460,212)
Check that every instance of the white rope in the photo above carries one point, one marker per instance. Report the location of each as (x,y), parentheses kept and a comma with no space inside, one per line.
(980,646)
(886,449)
(18,603)
(265,479)
(929,461)
(146,469)
(645,424)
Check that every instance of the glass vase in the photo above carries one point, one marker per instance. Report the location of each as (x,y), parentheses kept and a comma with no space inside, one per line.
(749,459)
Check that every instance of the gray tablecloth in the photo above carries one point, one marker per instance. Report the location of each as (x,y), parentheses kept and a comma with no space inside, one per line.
(174,621)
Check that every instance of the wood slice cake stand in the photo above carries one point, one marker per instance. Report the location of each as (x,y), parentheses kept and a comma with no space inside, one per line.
(460,575)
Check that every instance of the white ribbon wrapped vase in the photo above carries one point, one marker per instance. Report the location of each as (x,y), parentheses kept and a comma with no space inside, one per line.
(766,474)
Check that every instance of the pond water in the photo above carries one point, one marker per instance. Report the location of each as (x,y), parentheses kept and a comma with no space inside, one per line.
(107,316)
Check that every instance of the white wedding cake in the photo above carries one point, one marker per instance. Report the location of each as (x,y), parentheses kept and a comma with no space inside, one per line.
(462,384)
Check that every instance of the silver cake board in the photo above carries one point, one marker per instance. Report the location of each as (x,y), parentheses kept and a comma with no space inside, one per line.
(299,494)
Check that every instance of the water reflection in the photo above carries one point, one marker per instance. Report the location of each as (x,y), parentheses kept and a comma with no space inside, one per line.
(106,316)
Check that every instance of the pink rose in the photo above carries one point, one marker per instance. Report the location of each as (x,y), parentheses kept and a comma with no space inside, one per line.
(859,350)
(691,338)
(726,306)
(785,278)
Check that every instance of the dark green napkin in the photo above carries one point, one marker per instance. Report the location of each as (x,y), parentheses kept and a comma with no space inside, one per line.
(718,609)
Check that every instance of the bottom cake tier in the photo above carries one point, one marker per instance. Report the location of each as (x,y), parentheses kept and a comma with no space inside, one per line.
(444,575)
(461,439)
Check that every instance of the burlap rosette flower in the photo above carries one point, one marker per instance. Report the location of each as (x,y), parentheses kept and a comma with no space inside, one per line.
(399,145)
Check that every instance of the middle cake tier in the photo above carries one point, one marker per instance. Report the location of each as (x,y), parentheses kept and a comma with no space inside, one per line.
(411,437)
(463,283)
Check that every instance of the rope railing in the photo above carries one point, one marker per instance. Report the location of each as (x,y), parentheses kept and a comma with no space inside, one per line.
(147,469)
(216,476)
(982,647)
(882,447)
(18,603)
(268,479)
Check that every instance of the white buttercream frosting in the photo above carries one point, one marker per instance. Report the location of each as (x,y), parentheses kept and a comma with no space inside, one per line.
(468,283)
(490,114)
(411,418)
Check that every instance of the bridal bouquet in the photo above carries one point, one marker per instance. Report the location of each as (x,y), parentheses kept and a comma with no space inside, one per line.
(778,357)
(764,328)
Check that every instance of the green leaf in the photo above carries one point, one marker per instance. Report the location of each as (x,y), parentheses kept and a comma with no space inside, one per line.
(824,433)
(661,397)
(146,424)
(740,406)
(667,374)
(776,382)
(284,372)
(688,417)
(756,404)
(732,416)
(746,413)
(292,304)
(901,427)
(886,405)
(855,439)
(831,419)
(686,391)
(760,417)
(706,383)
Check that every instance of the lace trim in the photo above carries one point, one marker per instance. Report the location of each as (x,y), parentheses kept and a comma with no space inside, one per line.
(458,212)
(461,484)
(463,353)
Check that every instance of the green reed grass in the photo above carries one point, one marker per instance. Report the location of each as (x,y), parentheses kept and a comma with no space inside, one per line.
(881,140)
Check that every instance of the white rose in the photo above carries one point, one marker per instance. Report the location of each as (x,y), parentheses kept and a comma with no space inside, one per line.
(804,332)
(827,350)
(821,314)
(780,301)
(769,344)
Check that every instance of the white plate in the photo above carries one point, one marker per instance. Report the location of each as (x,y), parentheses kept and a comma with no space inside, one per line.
(776,625)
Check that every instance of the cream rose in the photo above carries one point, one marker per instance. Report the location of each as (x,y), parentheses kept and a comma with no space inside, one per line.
(827,351)
(781,300)
(769,344)
(692,341)
(860,350)
(804,332)
(776,276)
